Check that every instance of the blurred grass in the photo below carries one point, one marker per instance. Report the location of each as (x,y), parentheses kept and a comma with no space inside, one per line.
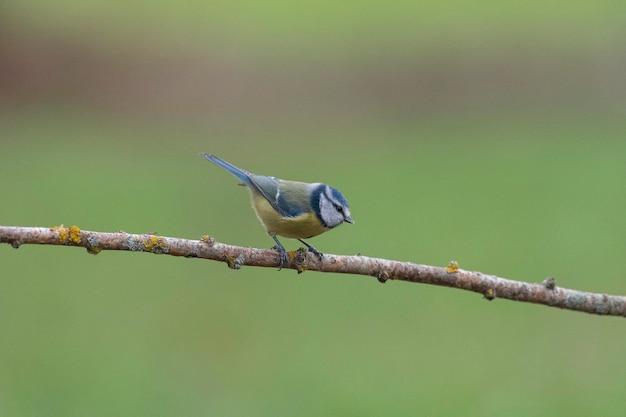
(314,29)
(524,188)
(120,333)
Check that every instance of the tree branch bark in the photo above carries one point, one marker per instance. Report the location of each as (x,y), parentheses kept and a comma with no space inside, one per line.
(490,286)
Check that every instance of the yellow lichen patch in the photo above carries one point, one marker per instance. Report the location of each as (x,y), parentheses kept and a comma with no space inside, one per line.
(64,234)
(155,244)
(207,239)
(235,262)
(68,234)
(74,234)
(452,267)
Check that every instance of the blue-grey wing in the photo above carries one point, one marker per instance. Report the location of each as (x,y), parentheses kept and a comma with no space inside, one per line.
(293,198)
(289,198)
(267,187)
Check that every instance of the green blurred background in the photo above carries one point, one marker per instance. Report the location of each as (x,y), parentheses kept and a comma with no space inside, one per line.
(492,134)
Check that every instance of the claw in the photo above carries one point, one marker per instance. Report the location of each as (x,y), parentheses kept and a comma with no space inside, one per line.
(312,249)
(284,258)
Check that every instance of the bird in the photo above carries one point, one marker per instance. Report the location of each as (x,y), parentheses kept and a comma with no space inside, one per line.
(291,209)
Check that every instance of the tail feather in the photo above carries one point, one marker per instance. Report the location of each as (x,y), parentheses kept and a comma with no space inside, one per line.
(237,172)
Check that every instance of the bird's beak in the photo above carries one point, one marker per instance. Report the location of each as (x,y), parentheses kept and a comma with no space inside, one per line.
(348,219)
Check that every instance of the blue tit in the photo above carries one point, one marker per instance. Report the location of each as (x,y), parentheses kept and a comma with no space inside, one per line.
(291,209)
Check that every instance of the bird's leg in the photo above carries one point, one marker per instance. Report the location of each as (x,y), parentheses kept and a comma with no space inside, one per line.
(319,254)
(284,258)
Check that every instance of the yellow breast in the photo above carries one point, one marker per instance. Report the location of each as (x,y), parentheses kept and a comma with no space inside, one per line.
(302,227)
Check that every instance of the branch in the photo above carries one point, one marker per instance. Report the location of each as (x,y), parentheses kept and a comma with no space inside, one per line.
(491,286)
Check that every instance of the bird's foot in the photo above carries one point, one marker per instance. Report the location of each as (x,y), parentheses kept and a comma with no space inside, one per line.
(284,257)
(312,249)
(317,253)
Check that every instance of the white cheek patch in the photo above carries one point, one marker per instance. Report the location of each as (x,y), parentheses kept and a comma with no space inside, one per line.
(325,204)
(329,213)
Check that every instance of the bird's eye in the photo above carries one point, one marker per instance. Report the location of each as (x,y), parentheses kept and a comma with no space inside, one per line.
(339,209)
